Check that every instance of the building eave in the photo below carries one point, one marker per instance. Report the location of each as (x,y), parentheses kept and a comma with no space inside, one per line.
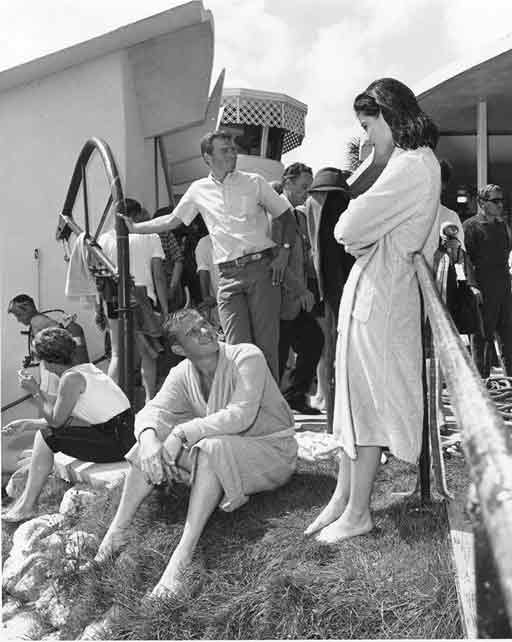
(126,36)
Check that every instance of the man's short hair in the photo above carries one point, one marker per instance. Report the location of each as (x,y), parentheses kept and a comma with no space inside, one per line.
(208,139)
(484,192)
(21,301)
(277,186)
(132,207)
(175,321)
(294,170)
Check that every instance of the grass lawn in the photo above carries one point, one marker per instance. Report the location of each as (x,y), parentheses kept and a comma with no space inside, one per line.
(257,577)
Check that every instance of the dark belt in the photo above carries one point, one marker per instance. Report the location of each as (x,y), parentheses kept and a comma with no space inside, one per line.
(247,258)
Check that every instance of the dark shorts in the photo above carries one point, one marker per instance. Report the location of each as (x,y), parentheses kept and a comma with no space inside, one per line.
(101,443)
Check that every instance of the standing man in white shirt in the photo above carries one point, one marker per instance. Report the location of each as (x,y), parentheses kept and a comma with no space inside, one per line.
(234,206)
(147,269)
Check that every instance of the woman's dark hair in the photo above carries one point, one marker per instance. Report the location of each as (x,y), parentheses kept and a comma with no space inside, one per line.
(410,126)
(55,345)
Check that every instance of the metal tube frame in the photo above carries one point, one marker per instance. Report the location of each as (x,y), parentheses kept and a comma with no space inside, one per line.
(66,226)
(488,450)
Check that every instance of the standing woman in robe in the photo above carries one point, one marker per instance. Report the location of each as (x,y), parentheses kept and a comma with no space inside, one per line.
(379,400)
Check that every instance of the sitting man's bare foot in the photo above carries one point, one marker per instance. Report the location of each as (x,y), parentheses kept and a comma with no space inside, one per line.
(330,513)
(113,541)
(345,527)
(174,580)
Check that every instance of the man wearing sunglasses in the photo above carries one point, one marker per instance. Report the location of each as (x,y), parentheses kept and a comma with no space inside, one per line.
(488,243)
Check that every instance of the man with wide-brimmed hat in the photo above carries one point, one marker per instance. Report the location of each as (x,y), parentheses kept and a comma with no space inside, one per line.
(329,196)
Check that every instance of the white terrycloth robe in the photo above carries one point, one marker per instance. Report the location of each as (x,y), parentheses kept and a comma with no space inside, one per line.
(245,426)
(379,399)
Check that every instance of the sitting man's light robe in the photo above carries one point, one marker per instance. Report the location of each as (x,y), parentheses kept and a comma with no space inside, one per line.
(245,426)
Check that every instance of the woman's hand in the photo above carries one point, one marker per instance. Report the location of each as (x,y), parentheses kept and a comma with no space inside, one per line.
(28,383)
(150,453)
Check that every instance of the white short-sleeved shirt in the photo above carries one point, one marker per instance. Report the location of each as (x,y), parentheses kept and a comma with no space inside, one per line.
(234,212)
(143,248)
(204,260)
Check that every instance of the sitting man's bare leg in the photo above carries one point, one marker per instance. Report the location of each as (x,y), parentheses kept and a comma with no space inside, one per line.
(135,490)
(205,496)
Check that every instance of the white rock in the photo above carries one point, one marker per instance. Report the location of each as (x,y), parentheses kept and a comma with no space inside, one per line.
(34,530)
(32,581)
(79,543)
(17,482)
(28,550)
(20,626)
(74,500)
(9,608)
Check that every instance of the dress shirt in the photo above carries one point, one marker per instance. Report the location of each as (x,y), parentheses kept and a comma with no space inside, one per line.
(234,211)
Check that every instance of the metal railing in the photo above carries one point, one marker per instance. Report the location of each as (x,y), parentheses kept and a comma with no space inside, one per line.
(487,446)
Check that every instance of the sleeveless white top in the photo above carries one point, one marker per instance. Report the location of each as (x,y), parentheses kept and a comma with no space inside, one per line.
(102,398)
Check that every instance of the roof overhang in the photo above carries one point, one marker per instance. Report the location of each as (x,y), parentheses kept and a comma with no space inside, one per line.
(159,24)
(451,95)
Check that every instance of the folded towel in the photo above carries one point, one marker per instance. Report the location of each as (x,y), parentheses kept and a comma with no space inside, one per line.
(79,281)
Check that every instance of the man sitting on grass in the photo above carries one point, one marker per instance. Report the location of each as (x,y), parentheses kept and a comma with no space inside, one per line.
(218,421)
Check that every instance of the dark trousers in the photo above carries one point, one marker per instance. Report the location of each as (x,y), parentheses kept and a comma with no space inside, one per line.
(497,318)
(305,337)
(249,308)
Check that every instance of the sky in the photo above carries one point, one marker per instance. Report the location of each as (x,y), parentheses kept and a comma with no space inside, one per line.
(321,52)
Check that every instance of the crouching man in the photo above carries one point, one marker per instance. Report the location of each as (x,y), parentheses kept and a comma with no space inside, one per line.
(219,421)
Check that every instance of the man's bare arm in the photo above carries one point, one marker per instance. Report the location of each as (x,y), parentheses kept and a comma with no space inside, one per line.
(153,226)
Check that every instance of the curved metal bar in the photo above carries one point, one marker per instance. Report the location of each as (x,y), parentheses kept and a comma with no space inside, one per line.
(487,446)
(64,229)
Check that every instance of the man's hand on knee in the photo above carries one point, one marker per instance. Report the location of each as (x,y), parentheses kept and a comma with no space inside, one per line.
(171,449)
(150,454)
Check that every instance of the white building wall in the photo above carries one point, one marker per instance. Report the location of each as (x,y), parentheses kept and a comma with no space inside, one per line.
(44,125)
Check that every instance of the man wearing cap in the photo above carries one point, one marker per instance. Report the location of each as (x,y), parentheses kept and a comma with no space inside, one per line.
(488,244)
(234,206)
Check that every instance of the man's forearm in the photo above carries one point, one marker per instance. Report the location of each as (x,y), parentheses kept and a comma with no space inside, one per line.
(161,285)
(177,271)
(155,225)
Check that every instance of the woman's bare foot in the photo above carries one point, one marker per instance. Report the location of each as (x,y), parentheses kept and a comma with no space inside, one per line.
(18,514)
(345,527)
(330,513)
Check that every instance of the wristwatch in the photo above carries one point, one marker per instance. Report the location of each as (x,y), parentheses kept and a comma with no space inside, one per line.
(286,246)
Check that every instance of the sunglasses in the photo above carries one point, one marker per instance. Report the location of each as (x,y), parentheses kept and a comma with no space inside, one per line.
(495,200)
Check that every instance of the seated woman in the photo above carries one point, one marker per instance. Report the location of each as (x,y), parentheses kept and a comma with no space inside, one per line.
(90,419)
